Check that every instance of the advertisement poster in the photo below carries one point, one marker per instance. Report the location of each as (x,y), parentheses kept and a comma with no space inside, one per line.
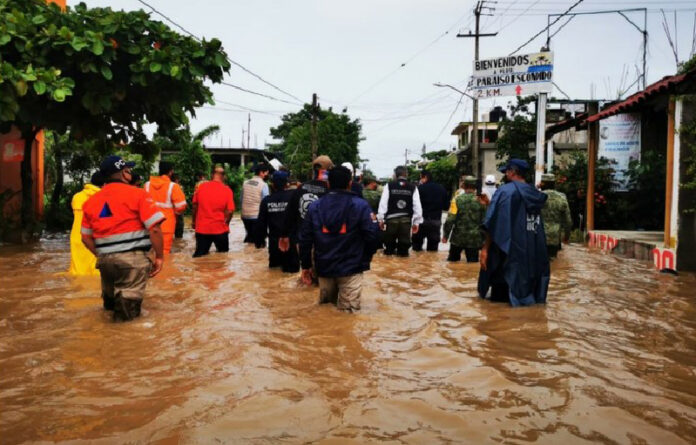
(619,140)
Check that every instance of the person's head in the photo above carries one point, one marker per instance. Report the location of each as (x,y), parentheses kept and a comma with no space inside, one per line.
(514,170)
(320,166)
(370,183)
(166,168)
(425,176)
(490,180)
(469,183)
(548,181)
(280,180)
(400,172)
(114,169)
(340,178)
(261,170)
(200,176)
(97,179)
(349,166)
(176,178)
(219,173)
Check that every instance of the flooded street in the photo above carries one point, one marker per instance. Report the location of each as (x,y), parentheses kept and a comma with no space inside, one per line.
(230,352)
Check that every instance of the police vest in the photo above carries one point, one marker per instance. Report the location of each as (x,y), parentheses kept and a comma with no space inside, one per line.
(310,192)
(400,199)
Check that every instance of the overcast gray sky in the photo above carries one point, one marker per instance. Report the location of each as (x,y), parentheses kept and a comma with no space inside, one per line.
(341,50)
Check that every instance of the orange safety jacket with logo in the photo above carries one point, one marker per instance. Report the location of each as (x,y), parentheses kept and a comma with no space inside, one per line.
(119,218)
(169,197)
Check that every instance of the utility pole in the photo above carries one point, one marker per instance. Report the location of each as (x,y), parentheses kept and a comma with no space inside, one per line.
(314,126)
(480,6)
(248,131)
(405,157)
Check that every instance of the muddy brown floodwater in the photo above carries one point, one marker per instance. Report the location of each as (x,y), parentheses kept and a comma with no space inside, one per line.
(230,352)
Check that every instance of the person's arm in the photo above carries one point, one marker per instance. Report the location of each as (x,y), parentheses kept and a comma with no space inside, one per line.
(290,224)
(229,207)
(369,229)
(88,241)
(261,227)
(178,199)
(306,242)
(383,206)
(157,241)
(483,255)
(417,211)
(194,209)
(264,191)
(449,225)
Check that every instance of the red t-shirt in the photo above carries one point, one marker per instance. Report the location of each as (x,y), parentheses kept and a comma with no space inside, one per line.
(212,199)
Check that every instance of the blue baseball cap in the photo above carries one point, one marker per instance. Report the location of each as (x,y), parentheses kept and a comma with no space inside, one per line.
(521,165)
(114,164)
(280,178)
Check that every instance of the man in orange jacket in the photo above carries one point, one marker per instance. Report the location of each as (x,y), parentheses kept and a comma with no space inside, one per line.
(170,199)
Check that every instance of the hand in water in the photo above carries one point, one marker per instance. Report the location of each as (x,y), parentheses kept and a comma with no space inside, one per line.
(157,267)
(307,276)
(483,258)
(284,244)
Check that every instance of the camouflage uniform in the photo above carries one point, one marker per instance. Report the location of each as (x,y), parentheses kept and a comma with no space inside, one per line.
(463,222)
(372,197)
(557,222)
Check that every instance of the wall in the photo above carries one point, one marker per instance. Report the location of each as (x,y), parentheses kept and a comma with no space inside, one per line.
(686,224)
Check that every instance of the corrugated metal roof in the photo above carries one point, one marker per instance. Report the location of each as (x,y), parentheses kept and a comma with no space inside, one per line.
(664,85)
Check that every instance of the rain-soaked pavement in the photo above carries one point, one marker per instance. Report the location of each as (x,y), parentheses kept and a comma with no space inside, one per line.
(230,352)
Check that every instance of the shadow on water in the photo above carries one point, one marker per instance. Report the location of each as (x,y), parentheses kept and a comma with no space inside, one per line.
(228,351)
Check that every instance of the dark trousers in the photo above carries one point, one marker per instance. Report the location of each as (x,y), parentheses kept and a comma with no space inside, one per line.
(455,254)
(397,236)
(249,228)
(179,229)
(429,230)
(288,261)
(553,250)
(203,243)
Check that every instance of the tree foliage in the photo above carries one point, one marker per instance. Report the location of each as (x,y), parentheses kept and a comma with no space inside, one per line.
(190,157)
(515,134)
(337,134)
(443,166)
(101,74)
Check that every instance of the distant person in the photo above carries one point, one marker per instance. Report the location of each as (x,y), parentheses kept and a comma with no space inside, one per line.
(82,261)
(489,187)
(342,232)
(400,213)
(169,198)
(463,225)
(121,225)
(556,216)
(356,187)
(514,261)
(434,201)
(272,216)
(305,194)
(371,193)
(213,207)
(200,179)
(253,191)
(179,229)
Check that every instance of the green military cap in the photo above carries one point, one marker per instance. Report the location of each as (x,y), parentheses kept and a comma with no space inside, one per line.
(548,177)
(469,180)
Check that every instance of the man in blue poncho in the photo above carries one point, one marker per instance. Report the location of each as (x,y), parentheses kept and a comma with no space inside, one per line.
(514,261)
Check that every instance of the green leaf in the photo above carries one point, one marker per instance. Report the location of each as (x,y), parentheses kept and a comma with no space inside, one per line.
(59,95)
(106,72)
(38,19)
(21,87)
(98,47)
(155,67)
(219,59)
(174,70)
(39,87)
(4,39)
(78,43)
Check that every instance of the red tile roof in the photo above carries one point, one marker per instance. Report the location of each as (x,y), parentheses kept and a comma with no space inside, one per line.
(662,86)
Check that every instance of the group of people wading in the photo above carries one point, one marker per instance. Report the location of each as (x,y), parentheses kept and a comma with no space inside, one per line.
(328,227)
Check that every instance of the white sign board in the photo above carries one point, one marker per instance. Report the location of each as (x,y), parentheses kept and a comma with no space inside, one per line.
(619,140)
(518,75)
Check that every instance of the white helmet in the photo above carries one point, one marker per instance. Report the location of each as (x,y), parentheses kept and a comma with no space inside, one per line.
(490,180)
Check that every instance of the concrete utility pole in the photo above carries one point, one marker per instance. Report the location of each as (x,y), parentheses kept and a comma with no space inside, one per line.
(480,6)
(248,131)
(314,126)
(540,137)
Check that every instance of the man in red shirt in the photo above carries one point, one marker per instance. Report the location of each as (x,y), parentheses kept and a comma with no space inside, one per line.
(213,206)
(120,225)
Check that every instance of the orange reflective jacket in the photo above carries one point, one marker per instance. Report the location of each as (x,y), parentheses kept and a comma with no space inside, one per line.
(169,197)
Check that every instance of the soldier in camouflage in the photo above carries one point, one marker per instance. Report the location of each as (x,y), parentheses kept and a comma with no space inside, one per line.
(556,215)
(371,193)
(463,224)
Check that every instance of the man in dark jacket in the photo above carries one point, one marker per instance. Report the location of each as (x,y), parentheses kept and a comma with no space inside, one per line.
(514,261)
(434,200)
(343,232)
(272,214)
(302,197)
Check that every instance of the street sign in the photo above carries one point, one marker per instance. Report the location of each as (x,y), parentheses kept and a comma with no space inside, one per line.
(518,75)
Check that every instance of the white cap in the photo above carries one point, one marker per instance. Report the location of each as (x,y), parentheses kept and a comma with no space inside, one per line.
(349,166)
(490,180)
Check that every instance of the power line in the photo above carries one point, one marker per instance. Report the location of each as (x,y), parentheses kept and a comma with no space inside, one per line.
(517,17)
(237,87)
(546,27)
(444,127)
(233,62)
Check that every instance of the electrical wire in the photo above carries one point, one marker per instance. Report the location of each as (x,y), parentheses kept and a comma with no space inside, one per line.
(233,62)
(255,93)
(547,27)
(444,127)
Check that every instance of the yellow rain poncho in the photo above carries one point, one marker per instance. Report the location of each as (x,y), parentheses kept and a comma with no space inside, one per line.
(82,262)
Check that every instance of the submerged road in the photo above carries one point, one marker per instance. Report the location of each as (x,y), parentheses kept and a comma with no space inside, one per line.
(230,352)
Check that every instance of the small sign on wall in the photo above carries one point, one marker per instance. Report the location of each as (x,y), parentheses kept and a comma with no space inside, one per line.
(12,151)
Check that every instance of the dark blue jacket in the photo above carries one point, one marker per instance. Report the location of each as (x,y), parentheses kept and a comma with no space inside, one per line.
(272,216)
(343,231)
(518,250)
(434,200)
(357,188)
